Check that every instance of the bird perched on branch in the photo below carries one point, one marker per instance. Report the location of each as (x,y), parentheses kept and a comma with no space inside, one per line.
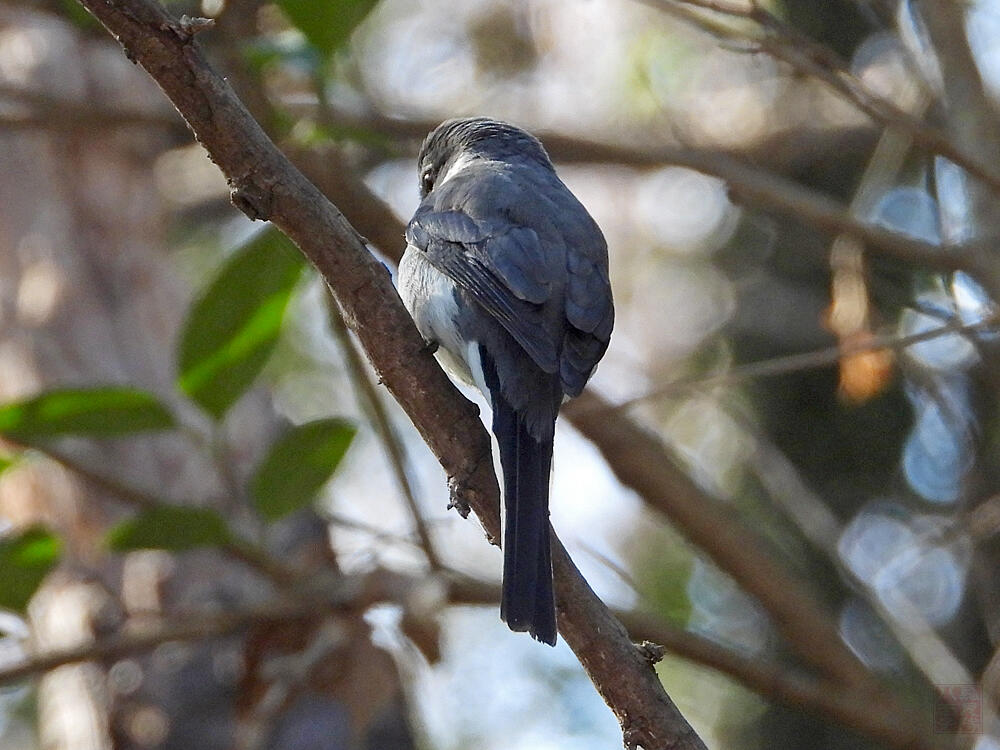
(507,274)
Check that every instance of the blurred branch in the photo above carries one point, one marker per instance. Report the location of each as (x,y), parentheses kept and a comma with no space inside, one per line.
(915,635)
(970,116)
(786,43)
(391,442)
(805,361)
(266,186)
(750,184)
(326,168)
(786,686)
(641,462)
(784,151)
(192,626)
(57,113)
(336,594)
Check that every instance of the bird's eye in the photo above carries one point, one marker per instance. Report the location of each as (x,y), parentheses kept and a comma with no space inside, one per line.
(426,181)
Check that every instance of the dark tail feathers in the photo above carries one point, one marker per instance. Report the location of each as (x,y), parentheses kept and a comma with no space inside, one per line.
(527,602)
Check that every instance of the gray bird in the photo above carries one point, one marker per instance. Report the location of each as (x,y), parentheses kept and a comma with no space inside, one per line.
(507,274)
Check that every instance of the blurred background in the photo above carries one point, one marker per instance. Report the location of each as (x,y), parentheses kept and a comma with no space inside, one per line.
(798,200)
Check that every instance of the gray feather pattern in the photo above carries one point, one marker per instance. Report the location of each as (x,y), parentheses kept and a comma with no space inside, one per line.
(530,255)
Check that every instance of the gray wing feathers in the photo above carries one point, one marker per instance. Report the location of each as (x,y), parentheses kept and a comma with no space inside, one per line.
(510,251)
(482,238)
(482,279)
(589,309)
(587,298)
(516,256)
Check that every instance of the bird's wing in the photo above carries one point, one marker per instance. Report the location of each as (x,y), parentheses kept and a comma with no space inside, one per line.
(589,307)
(500,264)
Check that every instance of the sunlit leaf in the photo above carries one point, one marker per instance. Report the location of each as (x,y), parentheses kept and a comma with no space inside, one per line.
(327,24)
(96,412)
(170,527)
(78,15)
(231,330)
(25,560)
(298,465)
(7,462)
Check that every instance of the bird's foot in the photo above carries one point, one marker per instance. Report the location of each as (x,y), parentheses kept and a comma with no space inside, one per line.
(651,652)
(456,498)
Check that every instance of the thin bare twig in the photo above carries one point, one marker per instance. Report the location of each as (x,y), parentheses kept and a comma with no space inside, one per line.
(391,441)
(805,361)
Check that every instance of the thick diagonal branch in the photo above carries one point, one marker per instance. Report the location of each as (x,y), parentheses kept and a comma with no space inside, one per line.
(267,186)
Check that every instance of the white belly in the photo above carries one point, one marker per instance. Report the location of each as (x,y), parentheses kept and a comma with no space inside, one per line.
(429,295)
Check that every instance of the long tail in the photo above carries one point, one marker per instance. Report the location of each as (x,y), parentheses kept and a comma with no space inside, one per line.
(527,601)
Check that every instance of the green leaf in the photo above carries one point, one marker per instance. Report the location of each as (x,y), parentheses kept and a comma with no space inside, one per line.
(95,412)
(298,465)
(327,24)
(78,15)
(171,527)
(25,560)
(231,330)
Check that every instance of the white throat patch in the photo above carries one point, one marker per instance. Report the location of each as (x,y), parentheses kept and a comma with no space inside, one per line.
(457,166)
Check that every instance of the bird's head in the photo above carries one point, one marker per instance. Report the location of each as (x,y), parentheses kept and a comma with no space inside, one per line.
(454,144)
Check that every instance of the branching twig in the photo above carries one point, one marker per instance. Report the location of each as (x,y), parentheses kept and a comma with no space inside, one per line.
(266,186)
(774,682)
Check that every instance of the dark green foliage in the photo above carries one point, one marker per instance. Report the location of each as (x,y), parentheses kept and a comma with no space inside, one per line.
(170,527)
(25,560)
(94,412)
(327,24)
(299,464)
(232,329)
